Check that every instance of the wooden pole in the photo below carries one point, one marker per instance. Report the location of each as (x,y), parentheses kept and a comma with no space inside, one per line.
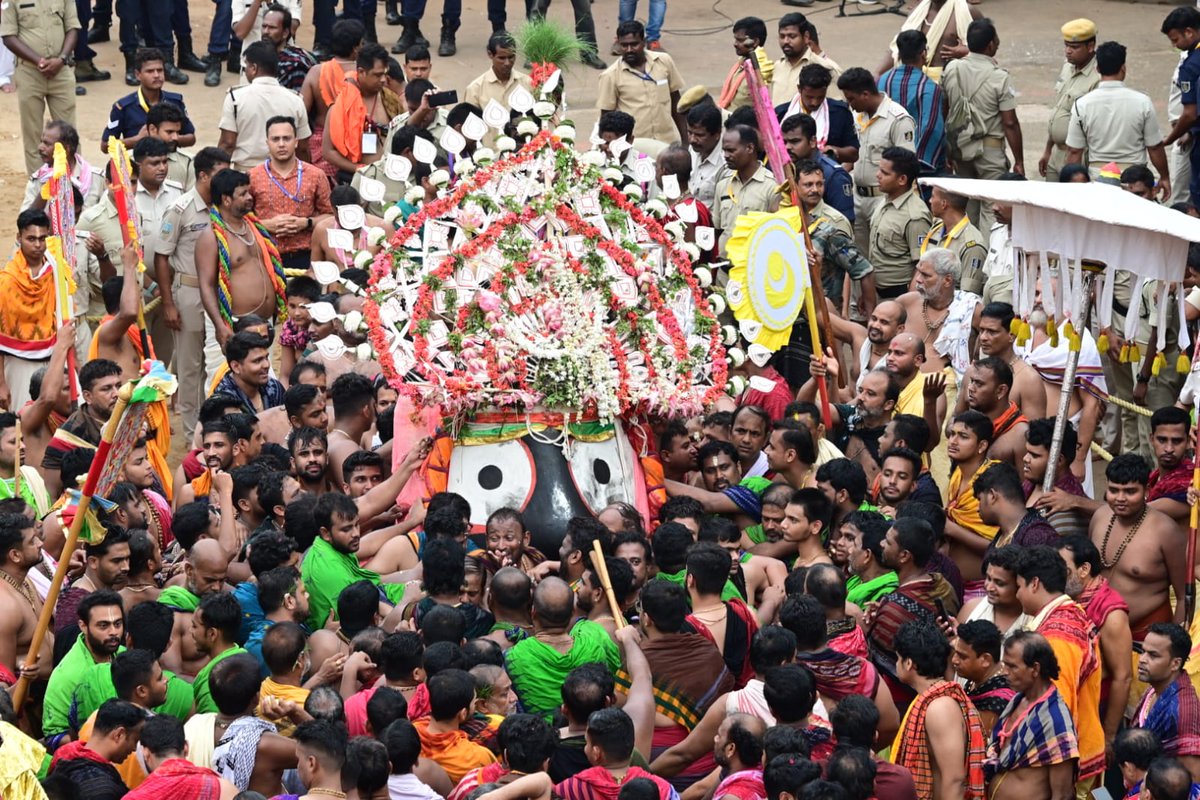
(1090,270)
(601,570)
(64,560)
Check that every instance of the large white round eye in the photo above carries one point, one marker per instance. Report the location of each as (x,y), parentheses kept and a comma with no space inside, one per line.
(599,472)
(492,476)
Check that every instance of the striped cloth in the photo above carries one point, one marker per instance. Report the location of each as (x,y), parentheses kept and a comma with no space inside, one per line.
(922,98)
(1041,736)
(911,747)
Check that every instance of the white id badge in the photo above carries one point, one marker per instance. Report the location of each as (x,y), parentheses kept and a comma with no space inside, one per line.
(370,143)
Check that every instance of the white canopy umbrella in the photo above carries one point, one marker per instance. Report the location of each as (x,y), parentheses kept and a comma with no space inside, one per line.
(1097,222)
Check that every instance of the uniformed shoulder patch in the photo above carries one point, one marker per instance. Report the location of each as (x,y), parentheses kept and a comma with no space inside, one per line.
(976,263)
(1185,86)
(847,190)
(908,136)
(167,227)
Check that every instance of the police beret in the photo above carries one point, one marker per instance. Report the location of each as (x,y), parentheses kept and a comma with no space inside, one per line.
(1078,31)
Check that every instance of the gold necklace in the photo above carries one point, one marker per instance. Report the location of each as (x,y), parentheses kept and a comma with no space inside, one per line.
(327,792)
(1128,538)
(24,588)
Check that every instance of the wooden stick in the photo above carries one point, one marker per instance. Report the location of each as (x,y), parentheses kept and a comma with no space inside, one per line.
(601,570)
(64,561)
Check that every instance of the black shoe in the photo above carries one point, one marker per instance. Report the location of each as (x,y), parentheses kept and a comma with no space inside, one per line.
(447,47)
(393,13)
(130,76)
(98,35)
(407,38)
(592,60)
(797,3)
(80,91)
(174,75)
(85,72)
(369,31)
(212,76)
(188,59)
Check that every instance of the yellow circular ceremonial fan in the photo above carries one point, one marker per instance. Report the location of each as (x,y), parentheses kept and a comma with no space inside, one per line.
(768,276)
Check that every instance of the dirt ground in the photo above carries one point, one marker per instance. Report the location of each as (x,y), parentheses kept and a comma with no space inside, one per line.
(697,35)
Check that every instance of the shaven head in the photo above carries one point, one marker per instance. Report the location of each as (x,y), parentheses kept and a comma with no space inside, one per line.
(553,602)
(510,589)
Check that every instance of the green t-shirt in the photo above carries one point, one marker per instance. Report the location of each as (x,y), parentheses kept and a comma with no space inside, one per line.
(729,592)
(327,572)
(97,687)
(67,675)
(201,692)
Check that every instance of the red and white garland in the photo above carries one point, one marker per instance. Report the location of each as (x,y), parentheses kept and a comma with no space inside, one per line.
(534,305)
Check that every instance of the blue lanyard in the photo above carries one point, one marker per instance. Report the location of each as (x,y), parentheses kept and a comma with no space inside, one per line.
(295,198)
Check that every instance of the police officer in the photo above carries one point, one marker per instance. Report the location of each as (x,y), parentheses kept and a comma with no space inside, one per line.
(954,231)
(42,35)
(882,123)
(1116,124)
(175,270)
(128,117)
(1077,77)
(98,242)
(983,114)
(1182,27)
(899,223)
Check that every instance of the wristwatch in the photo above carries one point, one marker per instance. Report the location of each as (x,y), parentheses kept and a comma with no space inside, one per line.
(68,59)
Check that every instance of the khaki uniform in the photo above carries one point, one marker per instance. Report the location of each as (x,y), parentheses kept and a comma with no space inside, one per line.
(988,91)
(1071,85)
(998,267)
(1178,157)
(436,129)
(787,75)
(246,111)
(395,189)
(180,170)
(488,87)
(182,225)
(102,220)
(646,96)
(890,126)
(705,174)
(968,244)
(1113,123)
(897,228)
(734,198)
(152,209)
(42,25)
(834,217)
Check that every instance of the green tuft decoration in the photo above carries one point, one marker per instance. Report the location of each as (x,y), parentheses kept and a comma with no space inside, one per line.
(544,42)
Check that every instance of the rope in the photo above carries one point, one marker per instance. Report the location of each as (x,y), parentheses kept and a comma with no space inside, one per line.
(295,273)
(1100,451)
(1128,406)
(153,304)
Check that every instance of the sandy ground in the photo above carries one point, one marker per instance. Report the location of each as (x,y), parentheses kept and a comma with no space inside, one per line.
(697,35)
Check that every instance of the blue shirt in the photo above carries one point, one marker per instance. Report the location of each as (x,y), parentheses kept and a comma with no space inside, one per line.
(1189,80)
(254,646)
(128,116)
(839,186)
(922,98)
(246,594)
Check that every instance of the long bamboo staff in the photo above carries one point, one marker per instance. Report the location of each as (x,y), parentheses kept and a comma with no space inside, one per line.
(601,570)
(64,561)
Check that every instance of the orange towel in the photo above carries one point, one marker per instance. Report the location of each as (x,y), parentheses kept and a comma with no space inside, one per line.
(346,121)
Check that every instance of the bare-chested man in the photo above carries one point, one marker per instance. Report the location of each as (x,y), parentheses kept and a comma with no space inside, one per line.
(988,383)
(943,317)
(357,121)
(20,606)
(112,340)
(51,402)
(324,250)
(1139,547)
(996,340)
(237,241)
(887,319)
(324,82)
(944,23)
(204,574)
(353,398)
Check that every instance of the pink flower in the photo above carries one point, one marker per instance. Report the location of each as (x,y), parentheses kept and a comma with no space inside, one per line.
(488,301)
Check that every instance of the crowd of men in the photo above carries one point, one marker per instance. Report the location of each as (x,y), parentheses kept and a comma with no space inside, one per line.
(883,604)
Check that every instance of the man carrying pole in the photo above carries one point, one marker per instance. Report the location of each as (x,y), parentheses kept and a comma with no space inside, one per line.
(120,433)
